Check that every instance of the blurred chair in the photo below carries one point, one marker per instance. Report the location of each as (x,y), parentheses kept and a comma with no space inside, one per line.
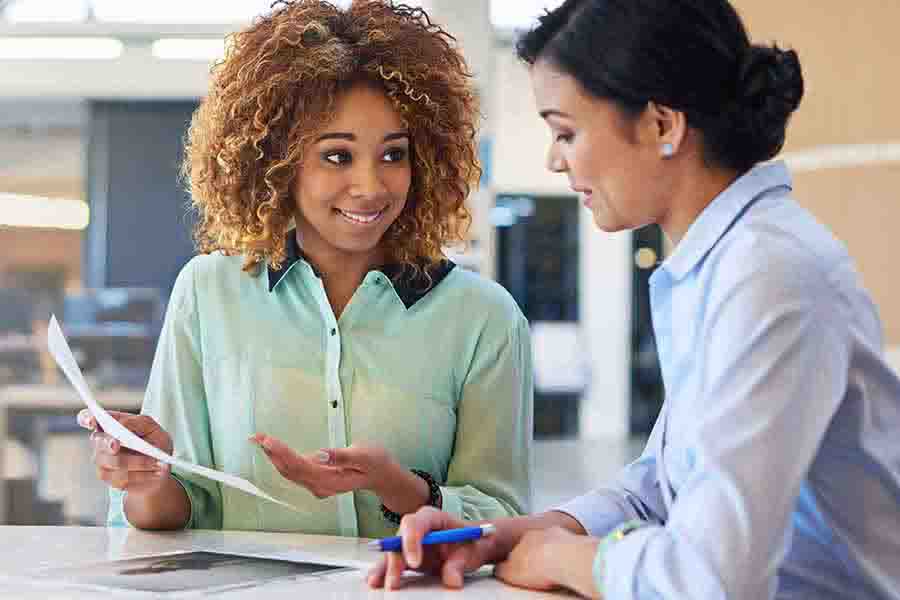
(19,360)
(113,332)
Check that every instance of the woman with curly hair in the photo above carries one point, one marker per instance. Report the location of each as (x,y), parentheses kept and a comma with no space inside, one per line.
(322,345)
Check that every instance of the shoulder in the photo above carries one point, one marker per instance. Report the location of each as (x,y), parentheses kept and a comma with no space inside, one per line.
(781,243)
(215,266)
(777,258)
(480,295)
(207,274)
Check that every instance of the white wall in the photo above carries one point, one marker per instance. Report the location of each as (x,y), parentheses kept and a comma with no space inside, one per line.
(520,146)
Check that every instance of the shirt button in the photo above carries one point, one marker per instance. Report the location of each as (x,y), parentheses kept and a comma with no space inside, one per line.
(334,404)
(333,331)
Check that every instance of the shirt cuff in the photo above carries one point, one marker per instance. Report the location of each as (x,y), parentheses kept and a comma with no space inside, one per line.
(615,564)
(596,516)
(119,518)
(451,503)
(187,492)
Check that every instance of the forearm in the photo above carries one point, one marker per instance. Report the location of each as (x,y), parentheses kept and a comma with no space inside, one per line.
(510,530)
(402,491)
(166,508)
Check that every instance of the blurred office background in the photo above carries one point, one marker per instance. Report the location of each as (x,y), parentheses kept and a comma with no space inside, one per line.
(95,96)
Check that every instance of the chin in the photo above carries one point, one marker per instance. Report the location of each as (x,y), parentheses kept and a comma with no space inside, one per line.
(607,226)
(356,247)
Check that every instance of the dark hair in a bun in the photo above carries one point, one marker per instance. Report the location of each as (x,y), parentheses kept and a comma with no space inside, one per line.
(693,56)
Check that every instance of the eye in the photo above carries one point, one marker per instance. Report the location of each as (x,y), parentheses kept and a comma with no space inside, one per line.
(565,138)
(395,155)
(337,157)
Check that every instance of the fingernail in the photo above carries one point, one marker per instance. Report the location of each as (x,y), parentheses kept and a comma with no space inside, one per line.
(323,457)
(112,445)
(392,582)
(415,559)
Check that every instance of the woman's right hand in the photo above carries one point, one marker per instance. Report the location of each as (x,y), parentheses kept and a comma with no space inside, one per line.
(448,561)
(126,469)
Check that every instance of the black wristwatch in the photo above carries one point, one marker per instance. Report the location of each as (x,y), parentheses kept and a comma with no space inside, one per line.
(434,497)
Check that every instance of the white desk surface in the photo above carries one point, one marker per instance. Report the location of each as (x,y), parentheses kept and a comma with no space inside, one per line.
(23,550)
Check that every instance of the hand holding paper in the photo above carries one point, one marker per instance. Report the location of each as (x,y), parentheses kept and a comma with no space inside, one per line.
(62,354)
(125,469)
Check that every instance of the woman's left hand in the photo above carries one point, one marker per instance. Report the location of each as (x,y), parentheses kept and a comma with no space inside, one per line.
(333,471)
(549,559)
(327,472)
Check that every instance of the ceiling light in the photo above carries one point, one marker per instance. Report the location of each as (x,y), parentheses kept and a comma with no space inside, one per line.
(59,48)
(17,210)
(206,49)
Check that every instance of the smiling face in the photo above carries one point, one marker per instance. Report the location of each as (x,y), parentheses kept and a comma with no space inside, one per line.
(355,177)
(612,159)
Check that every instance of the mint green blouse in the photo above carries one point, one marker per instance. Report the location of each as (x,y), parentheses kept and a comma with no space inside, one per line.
(440,378)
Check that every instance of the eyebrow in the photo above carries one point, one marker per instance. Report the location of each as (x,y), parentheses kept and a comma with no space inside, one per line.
(553,113)
(340,135)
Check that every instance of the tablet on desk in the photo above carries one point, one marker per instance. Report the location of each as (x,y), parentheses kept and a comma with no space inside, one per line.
(182,574)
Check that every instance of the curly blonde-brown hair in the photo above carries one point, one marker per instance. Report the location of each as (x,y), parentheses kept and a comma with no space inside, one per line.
(277,87)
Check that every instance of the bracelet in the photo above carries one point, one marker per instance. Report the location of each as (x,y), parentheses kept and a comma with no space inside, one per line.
(434,497)
(611,538)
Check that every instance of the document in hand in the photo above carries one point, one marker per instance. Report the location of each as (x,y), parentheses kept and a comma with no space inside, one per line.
(62,354)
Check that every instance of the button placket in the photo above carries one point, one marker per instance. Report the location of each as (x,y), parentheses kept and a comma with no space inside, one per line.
(346,505)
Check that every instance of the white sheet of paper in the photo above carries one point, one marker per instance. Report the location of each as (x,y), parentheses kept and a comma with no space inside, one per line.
(62,354)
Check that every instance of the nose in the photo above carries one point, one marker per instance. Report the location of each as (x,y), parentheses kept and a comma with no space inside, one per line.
(555,161)
(367,182)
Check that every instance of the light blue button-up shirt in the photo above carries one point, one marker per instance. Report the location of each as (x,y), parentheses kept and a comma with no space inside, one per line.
(774,468)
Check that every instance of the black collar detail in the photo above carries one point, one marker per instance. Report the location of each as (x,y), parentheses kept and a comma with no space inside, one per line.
(410,289)
(293,254)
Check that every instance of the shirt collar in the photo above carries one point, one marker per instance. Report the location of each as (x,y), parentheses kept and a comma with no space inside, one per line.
(718,217)
(409,289)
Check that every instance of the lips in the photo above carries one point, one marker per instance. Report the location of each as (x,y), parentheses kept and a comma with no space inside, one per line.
(361,217)
(580,190)
(585,193)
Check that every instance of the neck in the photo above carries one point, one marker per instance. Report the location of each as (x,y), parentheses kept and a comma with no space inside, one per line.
(342,272)
(690,197)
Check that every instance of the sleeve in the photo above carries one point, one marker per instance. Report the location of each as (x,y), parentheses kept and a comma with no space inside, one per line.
(774,372)
(489,474)
(176,398)
(635,495)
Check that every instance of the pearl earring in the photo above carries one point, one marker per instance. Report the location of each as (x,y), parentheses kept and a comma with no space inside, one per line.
(668,150)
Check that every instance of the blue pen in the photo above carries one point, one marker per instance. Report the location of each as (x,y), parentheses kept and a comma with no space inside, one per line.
(445,536)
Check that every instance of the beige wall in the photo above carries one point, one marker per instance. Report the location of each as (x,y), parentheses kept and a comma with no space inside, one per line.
(848,51)
(862,207)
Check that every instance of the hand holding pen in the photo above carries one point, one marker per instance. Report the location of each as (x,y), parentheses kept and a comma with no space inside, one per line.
(445,536)
(448,560)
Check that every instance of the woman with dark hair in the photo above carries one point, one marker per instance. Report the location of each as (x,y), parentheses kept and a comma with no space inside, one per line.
(323,346)
(773,470)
